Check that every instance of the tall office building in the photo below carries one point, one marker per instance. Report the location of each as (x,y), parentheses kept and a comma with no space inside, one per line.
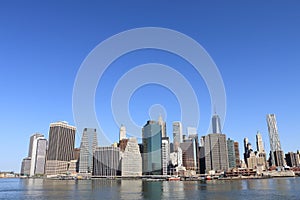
(165,155)
(25,167)
(162,123)
(122,132)
(152,142)
(216,156)
(107,161)
(131,164)
(231,153)
(177,135)
(275,146)
(261,154)
(216,124)
(38,156)
(237,154)
(190,154)
(259,142)
(32,138)
(60,148)
(215,147)
(88,146)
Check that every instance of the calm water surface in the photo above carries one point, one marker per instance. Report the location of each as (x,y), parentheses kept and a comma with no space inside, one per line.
(282,188)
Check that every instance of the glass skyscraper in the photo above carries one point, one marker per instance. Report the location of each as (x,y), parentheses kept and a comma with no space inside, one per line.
(152,143)
(231,153)
(88,146)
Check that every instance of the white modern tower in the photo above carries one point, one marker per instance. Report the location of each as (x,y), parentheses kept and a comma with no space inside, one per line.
(38,154)
(273,133)
(277,156)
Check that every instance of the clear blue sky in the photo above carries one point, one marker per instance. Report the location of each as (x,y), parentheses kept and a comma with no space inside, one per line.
(255,44)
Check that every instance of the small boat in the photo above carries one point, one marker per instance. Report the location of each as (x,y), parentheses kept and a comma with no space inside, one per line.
(174,179)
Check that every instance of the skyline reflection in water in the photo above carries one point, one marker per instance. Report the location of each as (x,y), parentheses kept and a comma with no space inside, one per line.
(281,188)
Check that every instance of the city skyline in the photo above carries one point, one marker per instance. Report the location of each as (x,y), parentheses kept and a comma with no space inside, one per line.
(255,48)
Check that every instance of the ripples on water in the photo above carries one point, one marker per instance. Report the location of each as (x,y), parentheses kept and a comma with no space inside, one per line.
(282,188)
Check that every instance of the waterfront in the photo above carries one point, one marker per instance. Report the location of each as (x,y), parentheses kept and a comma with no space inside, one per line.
(277,188)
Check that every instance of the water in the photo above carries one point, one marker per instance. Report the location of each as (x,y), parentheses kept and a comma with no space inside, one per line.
(282,188)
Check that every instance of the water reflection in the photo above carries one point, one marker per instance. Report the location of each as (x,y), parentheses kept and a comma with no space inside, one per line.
(283,188)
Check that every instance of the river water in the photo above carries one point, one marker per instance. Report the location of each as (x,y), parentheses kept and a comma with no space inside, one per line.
(281,188)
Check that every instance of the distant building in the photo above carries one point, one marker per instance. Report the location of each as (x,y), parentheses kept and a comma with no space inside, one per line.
(61,148)
(215,148)
(177,135)
(88,145)
(247,150)
(122,132)
(259,142)
(237,154)
(152,143)
(107,161)
(25,167)
(262,161)
(165,155)
(162,123)
(131,159)
(190,153)
(275,146)
(231,153)
(216,124)
(292,159)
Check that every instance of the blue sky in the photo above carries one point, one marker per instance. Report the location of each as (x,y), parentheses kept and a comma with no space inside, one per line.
(256,46)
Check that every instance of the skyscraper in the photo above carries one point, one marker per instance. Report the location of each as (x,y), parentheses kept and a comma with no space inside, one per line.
(215,147)
(152,142)
(131,159)
(162,123)
(237,154)
(216,157)
(34,136)
(259,142)
(25,167)
(177,135)
(88,146)
(165,155)
(216,124)
(122,132)
(38,156)
(275,146)
(261,154)
(107,161)
(190,154)
(231,153)
(61,148)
